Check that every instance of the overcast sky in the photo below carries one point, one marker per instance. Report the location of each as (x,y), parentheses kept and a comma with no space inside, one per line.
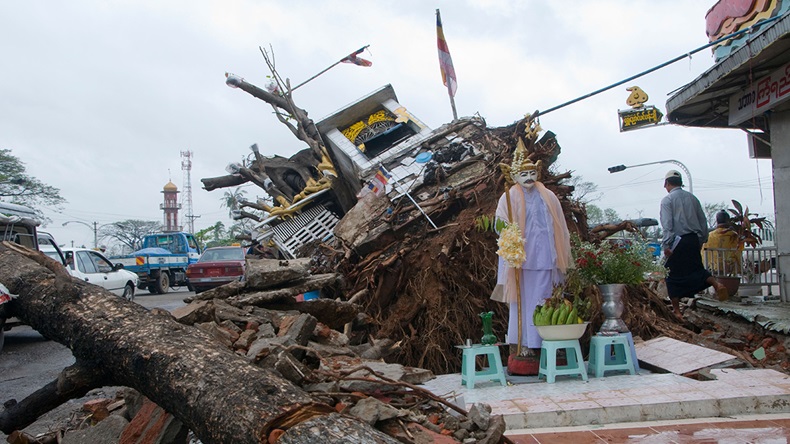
(99,98)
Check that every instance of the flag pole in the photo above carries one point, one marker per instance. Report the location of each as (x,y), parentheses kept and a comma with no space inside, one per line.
(445,62)
(327,69)
(452,103)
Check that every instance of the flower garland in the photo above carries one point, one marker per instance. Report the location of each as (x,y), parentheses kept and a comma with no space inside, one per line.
(511,246)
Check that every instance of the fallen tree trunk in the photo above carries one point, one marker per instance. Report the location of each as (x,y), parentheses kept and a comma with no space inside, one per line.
(214,392)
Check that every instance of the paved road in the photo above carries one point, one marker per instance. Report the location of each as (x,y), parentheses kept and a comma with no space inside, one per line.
(29,361)
(169,301)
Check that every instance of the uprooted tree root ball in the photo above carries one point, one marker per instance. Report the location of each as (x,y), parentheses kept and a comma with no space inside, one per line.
(426,288)
(430,301)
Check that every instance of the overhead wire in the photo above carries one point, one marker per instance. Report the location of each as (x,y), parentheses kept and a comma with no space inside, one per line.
(662,65)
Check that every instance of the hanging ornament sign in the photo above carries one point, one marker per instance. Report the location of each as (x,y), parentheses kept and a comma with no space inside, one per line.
(640,115)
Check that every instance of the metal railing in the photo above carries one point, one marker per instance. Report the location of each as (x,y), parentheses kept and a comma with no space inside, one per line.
(757,268)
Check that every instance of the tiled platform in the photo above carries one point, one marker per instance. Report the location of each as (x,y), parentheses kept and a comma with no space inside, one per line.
(527,403)
(677,356)
(751,429)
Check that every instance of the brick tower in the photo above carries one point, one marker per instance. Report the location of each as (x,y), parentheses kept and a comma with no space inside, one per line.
(171,207)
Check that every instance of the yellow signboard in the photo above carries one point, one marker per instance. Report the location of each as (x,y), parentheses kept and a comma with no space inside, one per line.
(636,118)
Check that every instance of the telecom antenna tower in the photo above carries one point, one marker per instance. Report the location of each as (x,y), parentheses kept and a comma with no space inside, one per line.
(186,167)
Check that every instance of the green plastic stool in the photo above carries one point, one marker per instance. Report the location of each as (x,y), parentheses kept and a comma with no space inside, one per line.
(548,360)
(494,371)
(609,353)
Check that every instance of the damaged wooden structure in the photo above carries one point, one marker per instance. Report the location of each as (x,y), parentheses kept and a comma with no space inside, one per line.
(375,141)
(375,132)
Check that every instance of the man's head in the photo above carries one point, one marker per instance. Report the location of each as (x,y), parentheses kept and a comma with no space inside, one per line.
(722,218)
(673,179)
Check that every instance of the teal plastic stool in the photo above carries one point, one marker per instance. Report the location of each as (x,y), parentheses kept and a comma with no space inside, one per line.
(611,353)
(494,372)
(548,359)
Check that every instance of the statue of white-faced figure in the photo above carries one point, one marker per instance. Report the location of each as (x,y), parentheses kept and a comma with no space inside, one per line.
(545,243)
(526,178)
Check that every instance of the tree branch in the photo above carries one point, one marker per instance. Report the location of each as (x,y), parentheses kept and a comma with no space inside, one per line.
(73,382)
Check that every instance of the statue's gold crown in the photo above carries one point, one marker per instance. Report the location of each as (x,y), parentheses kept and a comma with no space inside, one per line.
(521,160)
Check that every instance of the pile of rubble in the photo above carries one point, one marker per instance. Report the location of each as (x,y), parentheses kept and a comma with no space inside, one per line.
(262,319)
(131,418)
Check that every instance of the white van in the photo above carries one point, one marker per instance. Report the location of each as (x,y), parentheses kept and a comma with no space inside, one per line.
(19,224)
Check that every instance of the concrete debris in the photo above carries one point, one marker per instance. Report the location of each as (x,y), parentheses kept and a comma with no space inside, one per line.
(263,274)
(481,415)
(371,410)
(107,431)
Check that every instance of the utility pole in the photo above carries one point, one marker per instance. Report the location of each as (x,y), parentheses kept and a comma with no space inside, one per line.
(186,167)
(94,227)
(192,222)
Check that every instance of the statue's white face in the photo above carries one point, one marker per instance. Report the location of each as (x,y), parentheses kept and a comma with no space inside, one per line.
(526,178)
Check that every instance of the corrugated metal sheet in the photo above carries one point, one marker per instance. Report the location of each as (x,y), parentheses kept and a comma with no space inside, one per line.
(772,316)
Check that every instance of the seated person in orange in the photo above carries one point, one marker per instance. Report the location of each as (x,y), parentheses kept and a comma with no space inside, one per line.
(723,237)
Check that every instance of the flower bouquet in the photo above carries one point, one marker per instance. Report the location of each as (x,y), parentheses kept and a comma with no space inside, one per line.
(611,266)
(628,263)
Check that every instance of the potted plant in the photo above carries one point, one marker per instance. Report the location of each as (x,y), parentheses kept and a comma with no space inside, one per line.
(724,249)
(743,222)
(611,266)
(607,262)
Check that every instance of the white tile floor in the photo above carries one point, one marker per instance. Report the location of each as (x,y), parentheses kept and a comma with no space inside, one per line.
(528,403)
(660,423)
(678,357)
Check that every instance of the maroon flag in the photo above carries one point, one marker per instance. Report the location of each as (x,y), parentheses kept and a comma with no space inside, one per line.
(352,58)
(445,61)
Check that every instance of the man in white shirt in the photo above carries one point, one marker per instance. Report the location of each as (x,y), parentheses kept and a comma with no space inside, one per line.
(685,230)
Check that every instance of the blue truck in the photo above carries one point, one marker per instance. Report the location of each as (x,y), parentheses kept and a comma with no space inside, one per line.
(162,261)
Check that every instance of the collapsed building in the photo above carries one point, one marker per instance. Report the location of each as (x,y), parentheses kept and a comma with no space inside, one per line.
(375,135)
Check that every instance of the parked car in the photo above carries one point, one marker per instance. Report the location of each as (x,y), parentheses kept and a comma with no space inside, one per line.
(216,266)
(91,266)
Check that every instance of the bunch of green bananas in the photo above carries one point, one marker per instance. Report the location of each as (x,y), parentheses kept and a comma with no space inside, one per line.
(553,312)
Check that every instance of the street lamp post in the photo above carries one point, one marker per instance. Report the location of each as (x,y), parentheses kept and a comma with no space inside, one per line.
(94,227)
(618,168)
